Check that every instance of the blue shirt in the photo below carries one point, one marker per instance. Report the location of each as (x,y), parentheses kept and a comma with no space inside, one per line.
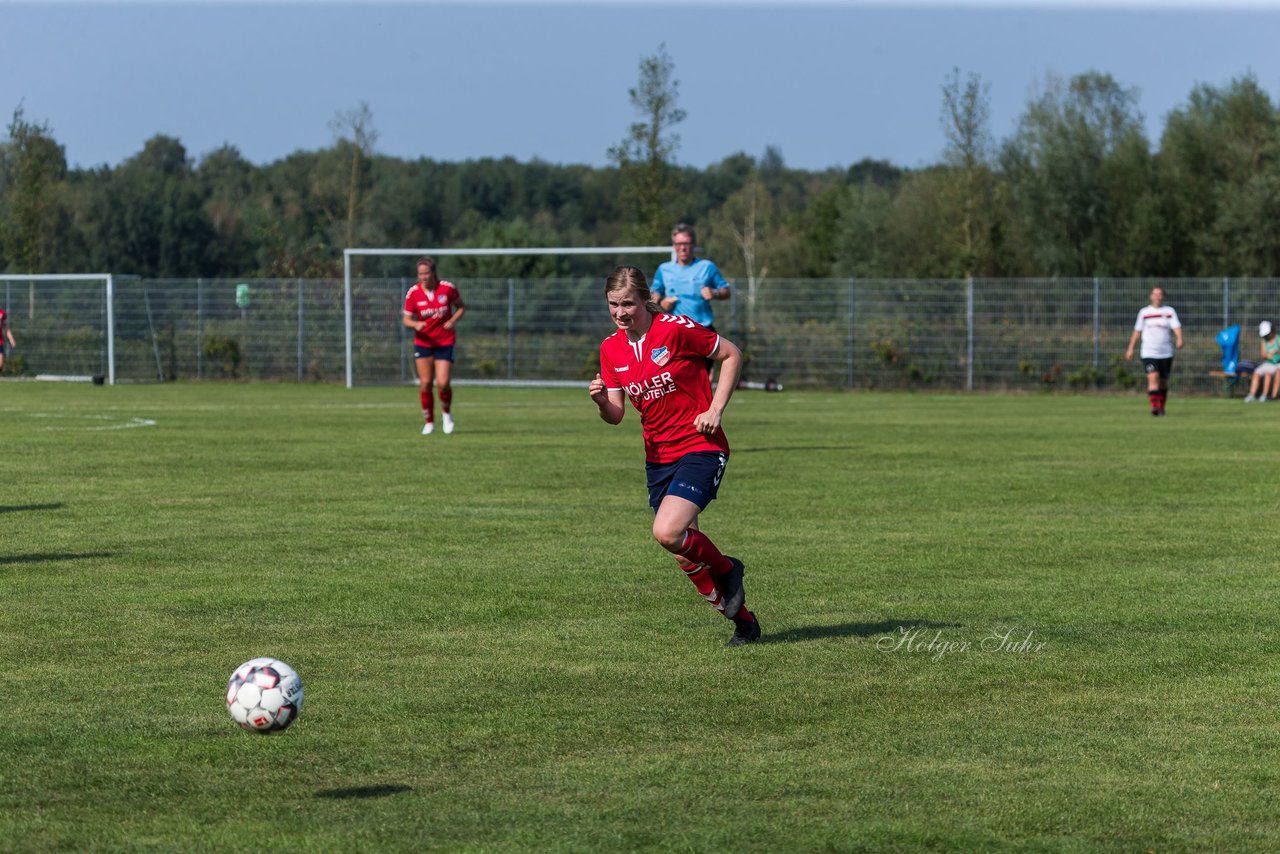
(685,283)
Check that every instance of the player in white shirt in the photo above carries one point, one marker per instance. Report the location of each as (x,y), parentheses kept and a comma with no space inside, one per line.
(1161,333)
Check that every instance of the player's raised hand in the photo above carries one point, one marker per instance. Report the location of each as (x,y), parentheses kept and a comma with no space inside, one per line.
(597,390)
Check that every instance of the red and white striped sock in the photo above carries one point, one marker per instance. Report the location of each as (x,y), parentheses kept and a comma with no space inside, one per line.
(703,582)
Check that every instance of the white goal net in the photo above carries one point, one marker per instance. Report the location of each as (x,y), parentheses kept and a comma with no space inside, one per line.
(64,325)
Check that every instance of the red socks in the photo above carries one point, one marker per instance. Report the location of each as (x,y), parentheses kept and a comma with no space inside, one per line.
(702,562)
(428,405)
(698,548)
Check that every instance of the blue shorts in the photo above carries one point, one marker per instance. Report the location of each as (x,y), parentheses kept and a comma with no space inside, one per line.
(695,477)
(444,354)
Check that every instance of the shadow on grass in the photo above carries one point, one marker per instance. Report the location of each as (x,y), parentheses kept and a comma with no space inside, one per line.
(19,508)
(850,630)
(9,560)
(364,792)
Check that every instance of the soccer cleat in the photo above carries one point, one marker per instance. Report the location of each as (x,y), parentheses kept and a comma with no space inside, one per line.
(730,587)
(744,632)
(428,428)
(1250,399)
(448,423)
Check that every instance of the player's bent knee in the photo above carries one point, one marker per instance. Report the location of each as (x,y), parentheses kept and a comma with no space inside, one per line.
(669,539)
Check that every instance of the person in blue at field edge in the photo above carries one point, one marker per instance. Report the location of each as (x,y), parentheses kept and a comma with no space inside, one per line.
(687,285)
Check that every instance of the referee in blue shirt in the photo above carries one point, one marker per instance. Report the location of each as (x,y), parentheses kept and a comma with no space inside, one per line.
(687,285)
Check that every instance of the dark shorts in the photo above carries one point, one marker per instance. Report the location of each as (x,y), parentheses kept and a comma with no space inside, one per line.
(1158,366)
(695,477)
(444,354)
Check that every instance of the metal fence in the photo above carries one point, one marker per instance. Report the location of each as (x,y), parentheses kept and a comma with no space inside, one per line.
(984,334)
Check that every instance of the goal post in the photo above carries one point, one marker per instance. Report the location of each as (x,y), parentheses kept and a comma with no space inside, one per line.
(66,330)
(349,254)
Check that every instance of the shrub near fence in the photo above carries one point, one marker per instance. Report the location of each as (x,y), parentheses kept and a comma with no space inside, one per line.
(990,334)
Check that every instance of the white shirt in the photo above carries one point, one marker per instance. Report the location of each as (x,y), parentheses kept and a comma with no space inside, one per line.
(1156,326)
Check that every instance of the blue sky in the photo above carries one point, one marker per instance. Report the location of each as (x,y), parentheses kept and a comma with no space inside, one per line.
(828,83)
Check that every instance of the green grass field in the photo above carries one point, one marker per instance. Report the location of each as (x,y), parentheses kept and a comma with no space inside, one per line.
(498,657)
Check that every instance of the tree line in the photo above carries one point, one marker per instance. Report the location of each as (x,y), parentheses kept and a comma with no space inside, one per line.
(1077,189)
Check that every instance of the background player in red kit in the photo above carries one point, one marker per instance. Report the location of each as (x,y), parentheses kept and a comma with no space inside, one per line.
(6,334)
(431,309)
(659,362)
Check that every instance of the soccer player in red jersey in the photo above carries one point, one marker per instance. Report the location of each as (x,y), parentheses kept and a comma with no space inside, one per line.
(431,309)
(6,334)
(659,362)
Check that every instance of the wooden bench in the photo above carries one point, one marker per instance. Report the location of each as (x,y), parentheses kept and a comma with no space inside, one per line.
(1230,381)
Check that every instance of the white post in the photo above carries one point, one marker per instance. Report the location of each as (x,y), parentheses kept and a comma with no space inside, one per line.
(346,305)
(111,330)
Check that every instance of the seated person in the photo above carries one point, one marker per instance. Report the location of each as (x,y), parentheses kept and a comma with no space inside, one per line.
(1267,374)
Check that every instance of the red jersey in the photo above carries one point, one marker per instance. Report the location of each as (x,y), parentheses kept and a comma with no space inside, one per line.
(435,307)
(665,375)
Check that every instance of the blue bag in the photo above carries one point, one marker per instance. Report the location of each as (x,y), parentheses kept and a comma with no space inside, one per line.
(1229,341)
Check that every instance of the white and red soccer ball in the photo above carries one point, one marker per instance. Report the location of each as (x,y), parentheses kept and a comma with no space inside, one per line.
(264,695)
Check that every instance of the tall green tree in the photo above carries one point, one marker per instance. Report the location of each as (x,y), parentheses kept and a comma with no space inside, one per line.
(228,184)
(861,240)
(356,133)
(1078,167)
(1216,173)
(646,155)
(149,216)
(748,220)
(968,192)
(33,167)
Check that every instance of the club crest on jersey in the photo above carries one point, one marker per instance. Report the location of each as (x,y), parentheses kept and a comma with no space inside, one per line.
(660,356)
(440,299)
